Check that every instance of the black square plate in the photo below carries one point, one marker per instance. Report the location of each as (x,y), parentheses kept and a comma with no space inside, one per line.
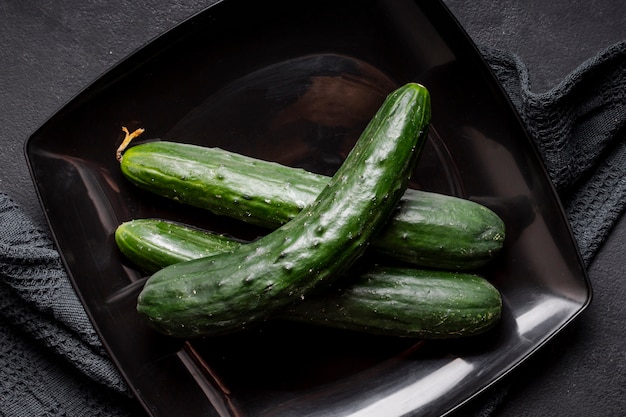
(295,82)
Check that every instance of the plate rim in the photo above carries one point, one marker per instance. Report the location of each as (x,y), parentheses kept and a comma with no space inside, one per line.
(150,43)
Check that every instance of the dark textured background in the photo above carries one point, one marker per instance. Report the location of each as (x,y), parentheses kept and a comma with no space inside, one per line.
(50,50)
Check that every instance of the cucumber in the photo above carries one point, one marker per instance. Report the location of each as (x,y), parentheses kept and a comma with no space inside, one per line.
(152,244)
(427,229)
(226,292)
(382,300)
(406,302)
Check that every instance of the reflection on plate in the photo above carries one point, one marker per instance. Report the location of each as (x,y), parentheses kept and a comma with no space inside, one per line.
(297,85)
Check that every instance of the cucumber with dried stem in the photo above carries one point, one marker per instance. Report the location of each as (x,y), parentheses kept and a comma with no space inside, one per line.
(427,229)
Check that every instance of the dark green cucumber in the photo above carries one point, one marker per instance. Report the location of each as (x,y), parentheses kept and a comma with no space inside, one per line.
(406,302)
(401,302)
(427,229)
(439,231)
(226,292)
(152,244)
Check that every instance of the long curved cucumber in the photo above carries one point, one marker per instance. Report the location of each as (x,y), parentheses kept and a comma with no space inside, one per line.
(427,229)
(226,292)
(392,301)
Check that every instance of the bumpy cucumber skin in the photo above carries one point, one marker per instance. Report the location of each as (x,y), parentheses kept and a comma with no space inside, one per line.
(153,244)
(406,302)
(390,301)
(427,229)
(440,231)
(257,192)
(227,292)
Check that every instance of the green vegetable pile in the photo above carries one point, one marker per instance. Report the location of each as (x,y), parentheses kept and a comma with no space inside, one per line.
(309,267)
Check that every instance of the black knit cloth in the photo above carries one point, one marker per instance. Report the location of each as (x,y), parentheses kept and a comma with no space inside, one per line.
(52,362)
(580,129)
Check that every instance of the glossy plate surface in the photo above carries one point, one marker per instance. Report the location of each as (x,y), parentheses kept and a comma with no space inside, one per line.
(296,83)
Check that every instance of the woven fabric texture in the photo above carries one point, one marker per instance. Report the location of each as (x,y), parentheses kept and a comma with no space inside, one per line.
(579,127)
